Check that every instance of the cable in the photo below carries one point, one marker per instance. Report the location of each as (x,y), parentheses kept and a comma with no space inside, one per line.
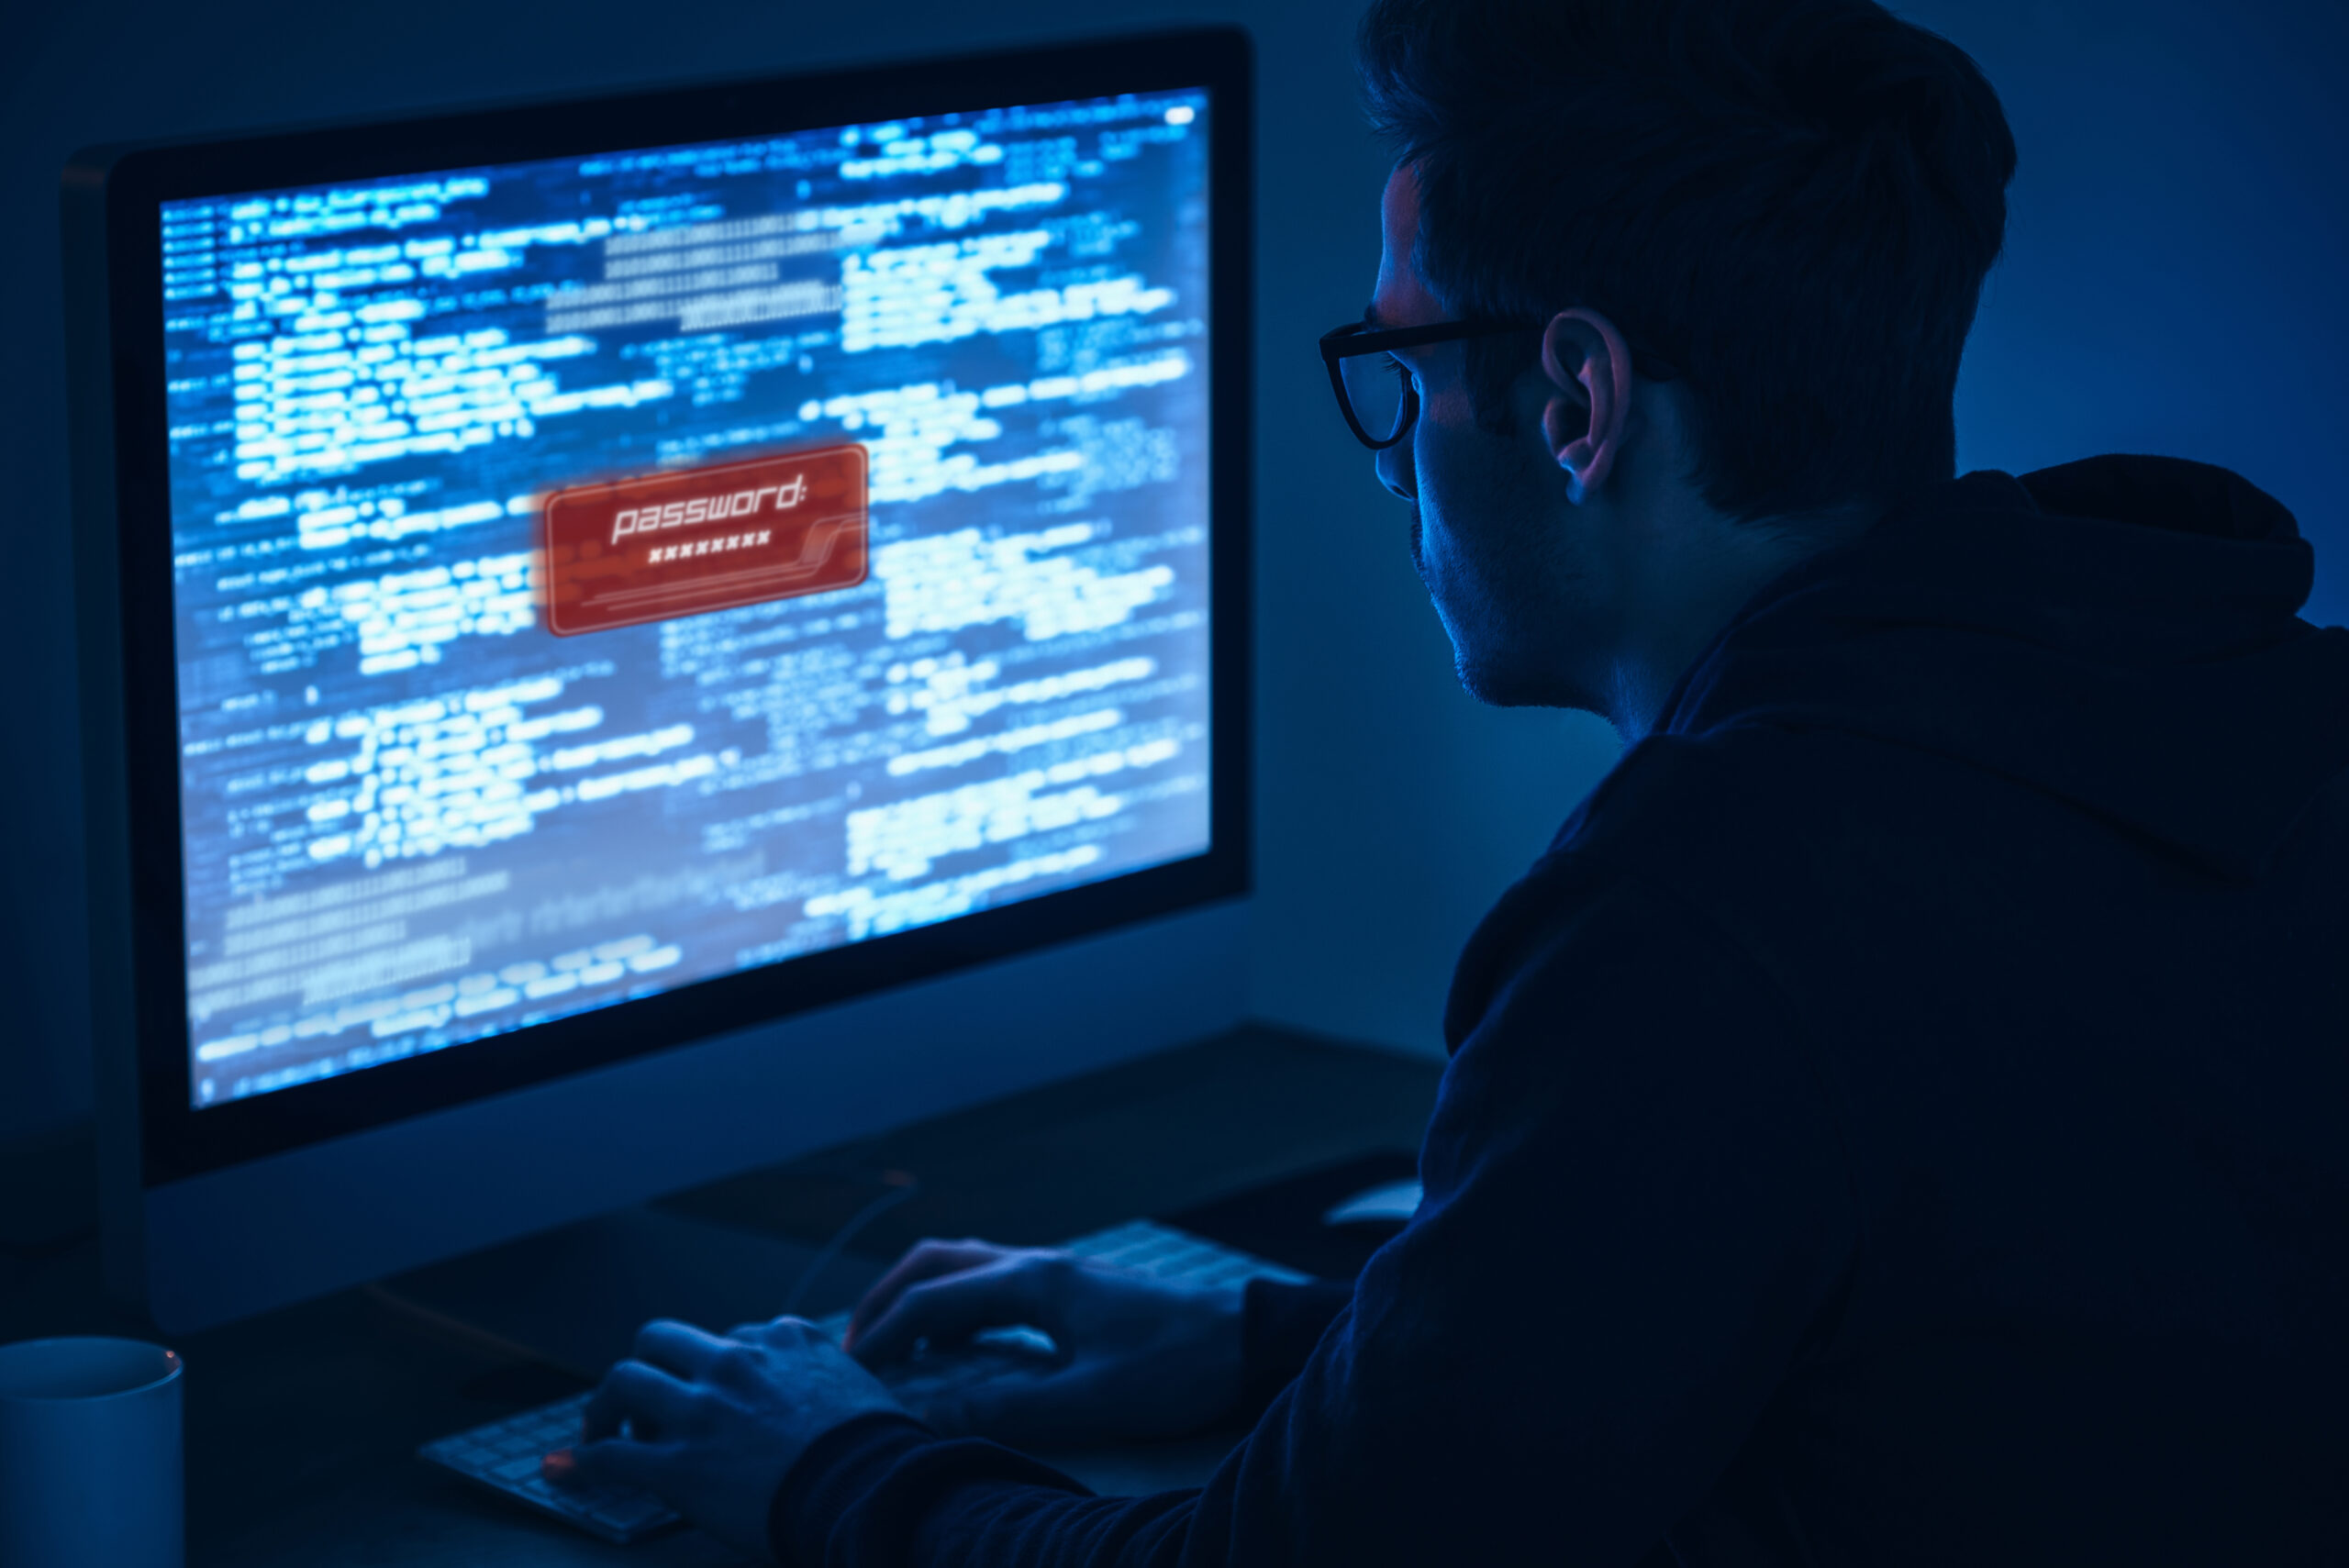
(902,1185)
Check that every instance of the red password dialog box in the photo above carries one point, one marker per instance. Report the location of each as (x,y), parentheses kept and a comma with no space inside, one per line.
(691,540)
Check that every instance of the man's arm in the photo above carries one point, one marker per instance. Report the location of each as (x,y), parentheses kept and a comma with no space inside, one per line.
(1636,1208)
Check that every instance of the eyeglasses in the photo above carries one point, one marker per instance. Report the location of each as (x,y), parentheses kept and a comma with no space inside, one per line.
(1375,391)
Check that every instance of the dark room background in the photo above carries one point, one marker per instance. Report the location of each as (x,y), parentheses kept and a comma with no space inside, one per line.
(2174,283)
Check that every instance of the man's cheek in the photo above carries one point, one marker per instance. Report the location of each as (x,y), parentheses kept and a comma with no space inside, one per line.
(1436,551)
(1449,403)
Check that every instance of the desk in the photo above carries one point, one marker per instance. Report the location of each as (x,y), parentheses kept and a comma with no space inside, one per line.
(302,1423)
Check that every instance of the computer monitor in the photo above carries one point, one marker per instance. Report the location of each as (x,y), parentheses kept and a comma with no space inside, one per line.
(629,638)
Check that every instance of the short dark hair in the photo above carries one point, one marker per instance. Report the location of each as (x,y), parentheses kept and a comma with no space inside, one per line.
(1793,203)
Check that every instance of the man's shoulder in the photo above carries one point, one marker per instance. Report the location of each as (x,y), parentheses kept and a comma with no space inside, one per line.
(1677,819)
(1755,829)
(1698,809)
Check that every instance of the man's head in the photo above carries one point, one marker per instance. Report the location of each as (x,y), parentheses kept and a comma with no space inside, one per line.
(1745,238)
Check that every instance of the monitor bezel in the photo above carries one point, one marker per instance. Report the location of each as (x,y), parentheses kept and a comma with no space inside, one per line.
(178,1140)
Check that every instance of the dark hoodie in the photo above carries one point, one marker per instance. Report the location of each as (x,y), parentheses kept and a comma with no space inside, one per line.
(1904,1118)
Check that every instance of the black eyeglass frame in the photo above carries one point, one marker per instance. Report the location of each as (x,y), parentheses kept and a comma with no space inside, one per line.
(1356,339)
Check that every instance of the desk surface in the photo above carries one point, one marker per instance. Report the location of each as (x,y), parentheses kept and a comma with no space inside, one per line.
(302,1423)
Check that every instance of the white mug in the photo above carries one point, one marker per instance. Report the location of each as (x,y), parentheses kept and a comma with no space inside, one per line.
(90,1454)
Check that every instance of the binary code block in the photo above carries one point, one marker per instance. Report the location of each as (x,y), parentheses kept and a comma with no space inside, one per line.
(716,538)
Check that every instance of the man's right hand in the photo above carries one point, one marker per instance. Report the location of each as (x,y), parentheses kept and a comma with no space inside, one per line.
(1138,1358)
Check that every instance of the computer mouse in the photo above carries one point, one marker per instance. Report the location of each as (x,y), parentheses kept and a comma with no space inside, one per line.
(1388,1201)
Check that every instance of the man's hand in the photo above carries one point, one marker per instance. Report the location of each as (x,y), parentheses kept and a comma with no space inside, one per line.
(1137,1358)
(711,1424)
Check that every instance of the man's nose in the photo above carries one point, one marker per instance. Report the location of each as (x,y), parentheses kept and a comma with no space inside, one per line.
(1395,471)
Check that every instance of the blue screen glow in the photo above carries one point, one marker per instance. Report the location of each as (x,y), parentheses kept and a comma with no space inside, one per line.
(413,818)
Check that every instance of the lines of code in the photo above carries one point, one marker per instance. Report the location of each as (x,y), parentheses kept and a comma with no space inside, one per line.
(413,818)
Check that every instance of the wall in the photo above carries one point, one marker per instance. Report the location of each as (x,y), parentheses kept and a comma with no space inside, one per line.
(2170,287)
(2173,260)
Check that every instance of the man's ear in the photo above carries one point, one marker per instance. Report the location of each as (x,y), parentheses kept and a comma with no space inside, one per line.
(1589,367)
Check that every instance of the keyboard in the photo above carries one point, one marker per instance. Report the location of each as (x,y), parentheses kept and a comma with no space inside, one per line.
(1145,1246)
(504,1454)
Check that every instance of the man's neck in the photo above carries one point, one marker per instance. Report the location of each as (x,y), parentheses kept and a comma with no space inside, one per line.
(1696,593)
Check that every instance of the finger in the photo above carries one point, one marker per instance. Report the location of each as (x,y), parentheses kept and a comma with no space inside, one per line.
(927,1260)
(1022,1290)
(790,1330)
(783,1331)
(759,1333)
(679,1348)
(632,1391)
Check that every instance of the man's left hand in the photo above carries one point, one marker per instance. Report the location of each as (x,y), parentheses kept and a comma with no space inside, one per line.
(711,1425)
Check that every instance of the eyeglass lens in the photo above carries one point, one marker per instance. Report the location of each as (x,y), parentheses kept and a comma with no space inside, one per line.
(1375,387)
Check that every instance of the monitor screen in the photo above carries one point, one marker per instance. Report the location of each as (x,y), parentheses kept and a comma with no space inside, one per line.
(595,576)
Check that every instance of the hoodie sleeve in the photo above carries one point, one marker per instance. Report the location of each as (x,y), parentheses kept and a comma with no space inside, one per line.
(1279,1328)
(1636,1212)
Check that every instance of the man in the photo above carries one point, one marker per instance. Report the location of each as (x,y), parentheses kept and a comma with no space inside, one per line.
(1899,1119)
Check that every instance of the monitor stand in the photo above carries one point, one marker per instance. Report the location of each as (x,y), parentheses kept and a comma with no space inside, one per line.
(574,1297)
